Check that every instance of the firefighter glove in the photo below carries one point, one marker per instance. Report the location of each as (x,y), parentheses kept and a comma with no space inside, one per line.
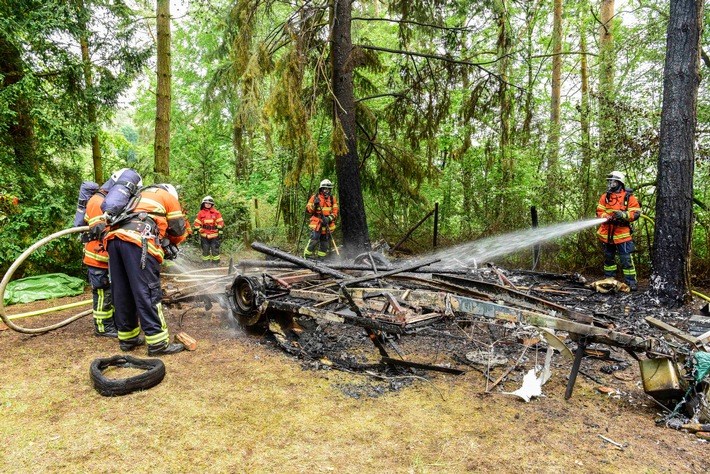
(170,250)
(620,215)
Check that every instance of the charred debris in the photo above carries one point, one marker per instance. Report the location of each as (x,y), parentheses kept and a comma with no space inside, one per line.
(418,317)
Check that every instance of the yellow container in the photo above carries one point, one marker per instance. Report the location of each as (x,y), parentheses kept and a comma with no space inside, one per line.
(661,378)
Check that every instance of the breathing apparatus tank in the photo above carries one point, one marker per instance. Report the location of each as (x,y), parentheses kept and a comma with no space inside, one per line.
(86,190)
(123,195)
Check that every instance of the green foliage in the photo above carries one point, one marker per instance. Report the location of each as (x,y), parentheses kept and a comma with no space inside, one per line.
(49,211)
(434,84)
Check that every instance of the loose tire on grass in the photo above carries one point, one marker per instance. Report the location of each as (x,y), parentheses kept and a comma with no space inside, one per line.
(153,375)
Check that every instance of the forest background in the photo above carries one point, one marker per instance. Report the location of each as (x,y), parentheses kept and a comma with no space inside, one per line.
(484,108)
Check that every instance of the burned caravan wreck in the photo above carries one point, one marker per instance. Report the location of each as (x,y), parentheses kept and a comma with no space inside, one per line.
(390,304)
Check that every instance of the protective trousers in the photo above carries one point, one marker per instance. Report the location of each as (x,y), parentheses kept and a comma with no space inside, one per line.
(101,292)
(627,262)
(320,240)
(137,293)
(210,250)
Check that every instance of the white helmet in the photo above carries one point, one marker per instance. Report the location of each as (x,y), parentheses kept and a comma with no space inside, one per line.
(117,174)
(617,176)
(326,183)
(207,199)
(171,189)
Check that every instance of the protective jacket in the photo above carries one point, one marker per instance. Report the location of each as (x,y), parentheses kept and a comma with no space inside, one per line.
(95,255)
(320,206)
(209,223)
(617,231)
(156,216)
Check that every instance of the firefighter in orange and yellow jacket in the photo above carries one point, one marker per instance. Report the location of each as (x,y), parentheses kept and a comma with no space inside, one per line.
(619,207)
(96,260)
(323,208)
(209,225)
(137,246)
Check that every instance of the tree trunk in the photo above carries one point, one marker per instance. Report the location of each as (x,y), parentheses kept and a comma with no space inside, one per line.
(88,93)
(606,83)
(670,276)
(553,145)
(506,159)
(587,208)
(352,208)
(162,99)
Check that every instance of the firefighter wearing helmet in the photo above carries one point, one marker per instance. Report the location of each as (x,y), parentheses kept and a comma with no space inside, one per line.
(209,225)
(323,208)
(137,245)
(620,208)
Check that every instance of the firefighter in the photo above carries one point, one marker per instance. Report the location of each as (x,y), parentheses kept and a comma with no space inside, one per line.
(96,260)
(620,208)
(137,245)
(323,208)
(209,225)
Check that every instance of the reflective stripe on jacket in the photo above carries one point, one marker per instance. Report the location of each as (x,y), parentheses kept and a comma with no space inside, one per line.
(95,255)
(617,232)
(327,206)
(164,209)
(209,223)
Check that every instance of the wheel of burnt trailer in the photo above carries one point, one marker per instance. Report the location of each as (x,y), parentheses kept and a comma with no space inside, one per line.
(245,293)
(379,259)
(153,373)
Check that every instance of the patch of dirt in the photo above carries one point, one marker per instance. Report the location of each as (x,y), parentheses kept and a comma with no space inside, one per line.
(240,403)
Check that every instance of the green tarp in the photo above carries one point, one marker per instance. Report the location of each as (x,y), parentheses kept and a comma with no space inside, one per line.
(42,287)
(702,366)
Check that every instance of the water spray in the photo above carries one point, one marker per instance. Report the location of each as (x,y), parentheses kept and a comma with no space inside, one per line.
(484,250)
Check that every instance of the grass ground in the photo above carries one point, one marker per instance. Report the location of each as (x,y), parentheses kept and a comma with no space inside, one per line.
(239,405)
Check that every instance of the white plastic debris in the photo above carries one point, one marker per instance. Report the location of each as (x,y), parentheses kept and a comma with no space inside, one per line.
(532,387)
(532,383)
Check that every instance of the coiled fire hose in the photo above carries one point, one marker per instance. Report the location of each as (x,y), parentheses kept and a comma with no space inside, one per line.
(6,279)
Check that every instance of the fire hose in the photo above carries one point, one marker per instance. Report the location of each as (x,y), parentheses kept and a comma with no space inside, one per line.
(6,279)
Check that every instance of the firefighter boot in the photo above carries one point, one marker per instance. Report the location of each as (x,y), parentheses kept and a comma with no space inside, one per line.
(105,328)
(130,344)
(164,348)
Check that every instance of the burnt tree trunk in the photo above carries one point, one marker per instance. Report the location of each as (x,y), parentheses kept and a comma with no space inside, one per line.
(347,165)
(670,276)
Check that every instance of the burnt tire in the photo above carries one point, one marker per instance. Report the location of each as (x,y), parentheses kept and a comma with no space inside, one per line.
(154,372)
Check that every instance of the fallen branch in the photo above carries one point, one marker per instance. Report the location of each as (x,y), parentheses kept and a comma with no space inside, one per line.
(618,446)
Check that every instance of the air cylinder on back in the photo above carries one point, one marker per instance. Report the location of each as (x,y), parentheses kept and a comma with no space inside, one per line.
(86,190)
(125,186)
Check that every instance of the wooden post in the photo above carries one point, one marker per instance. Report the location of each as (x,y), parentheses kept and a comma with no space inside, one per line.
(256,213)
(536,247)
(436,222)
